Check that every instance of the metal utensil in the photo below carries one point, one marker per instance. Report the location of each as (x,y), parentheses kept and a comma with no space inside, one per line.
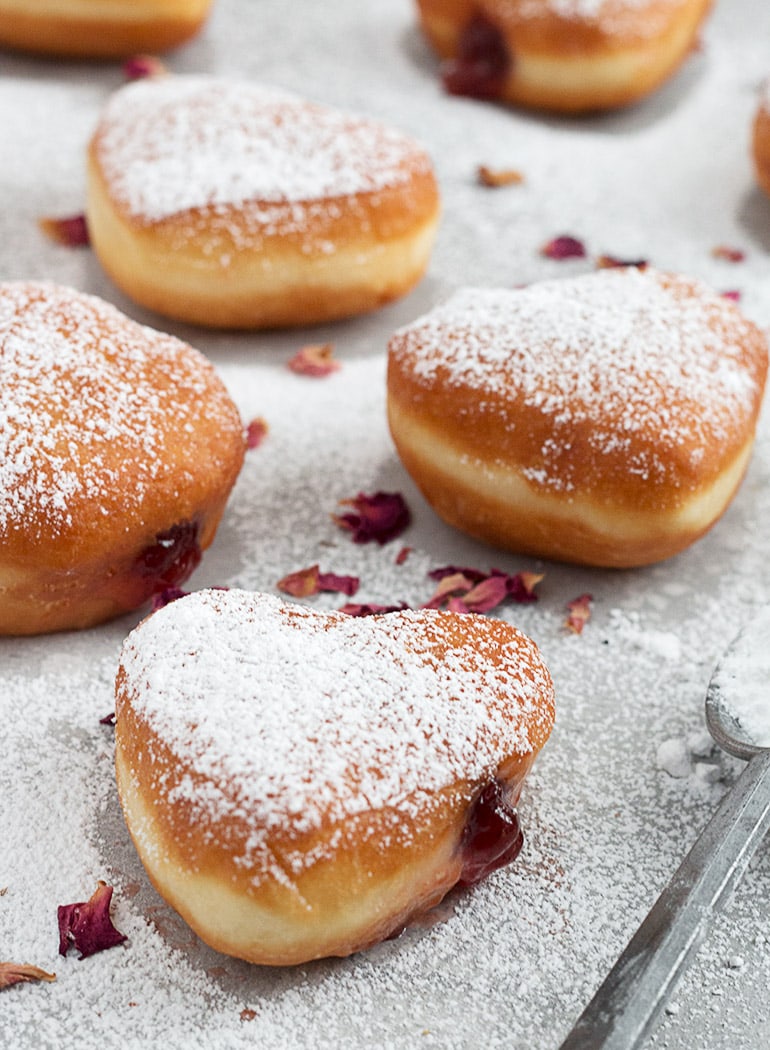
(627,1005)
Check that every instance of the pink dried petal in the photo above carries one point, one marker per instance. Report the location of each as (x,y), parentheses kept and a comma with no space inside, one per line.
(579,613)
(316,359)
(521,586)
(302,583)
(457,605)
(487,595)
(379,517)
(137,67)
(608,262)
(71,231)
(449,586)
(256,432)
(371,609)
(87,926)
(564,247)
(733,255)
(108,720)
(20,973)
(403,554)
(733,294)
(166,597)
(328,581)
(474,575)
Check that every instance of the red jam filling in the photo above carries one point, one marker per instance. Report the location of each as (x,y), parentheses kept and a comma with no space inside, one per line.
(492,836)
(171,559)
(483,61)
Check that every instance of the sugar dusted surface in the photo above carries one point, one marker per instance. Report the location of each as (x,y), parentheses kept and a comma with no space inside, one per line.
(170,144)
(743,680)
(513,961)
(640,17)
(73,374)
(254,696)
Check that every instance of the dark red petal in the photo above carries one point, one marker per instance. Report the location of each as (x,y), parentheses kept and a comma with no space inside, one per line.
(87,926)
(329,581)
(379,517)
(137,67)
(487,595)
(371,609)
(71,231)
(256,432)
(564,247)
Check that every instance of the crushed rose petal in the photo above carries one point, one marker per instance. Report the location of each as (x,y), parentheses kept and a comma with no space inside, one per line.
(579,610)
(371,609)
(19,973)
(733,294)
(609,262)
(137,67)
(733,255)
(306,582)
(256,432)
(71,231)
(563,247)
(316,360)
(166,597)
(108,720)
(521,586)
(379,517)
(470,590)
(86,926)
(403,554)
(494,177)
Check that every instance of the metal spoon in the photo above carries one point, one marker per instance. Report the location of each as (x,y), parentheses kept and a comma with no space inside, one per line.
(627,1005)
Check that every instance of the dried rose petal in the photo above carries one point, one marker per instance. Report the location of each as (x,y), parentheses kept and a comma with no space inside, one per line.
(329,581)
(19,973)
(315,360)
(457,605)
(733,294)
(564,247)
(140,66)
(371,609)
(475,575)
(733,255)
(248,1014)
(256,432)
(487,595)
(495,177)
(450,585)
(521,587)
(72,231)
(608,262)
(306,582)
(379,517)
(579,613)
(166,597)
(403,554)
(87,926)
(108,720)
(481,591)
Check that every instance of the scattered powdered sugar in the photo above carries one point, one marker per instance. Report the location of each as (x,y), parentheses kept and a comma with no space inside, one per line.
(81,420)
(170,144)
(743,679)
(299,718)
(660,367)
(621,17)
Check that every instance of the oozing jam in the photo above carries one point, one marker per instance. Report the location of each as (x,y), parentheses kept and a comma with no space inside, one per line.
(483,61)
(492,837)
(171,559)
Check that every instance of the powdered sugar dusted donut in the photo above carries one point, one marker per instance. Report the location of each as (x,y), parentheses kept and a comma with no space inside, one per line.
(302,784)
(605,420)
(228,203)
(99,28)
(761,139)
(563,55)
(118,450)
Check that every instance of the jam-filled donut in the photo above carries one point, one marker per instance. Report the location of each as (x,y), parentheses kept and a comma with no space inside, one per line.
(569,56)
(761,139)
(605,420)
(227,203)
(302,784)
(118,450)
(99,28)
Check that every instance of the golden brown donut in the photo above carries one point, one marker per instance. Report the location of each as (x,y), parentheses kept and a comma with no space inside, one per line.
(569,56)
(99,28)
(761,140)
(302,784)
(226,203)
(604,420)
(118,450)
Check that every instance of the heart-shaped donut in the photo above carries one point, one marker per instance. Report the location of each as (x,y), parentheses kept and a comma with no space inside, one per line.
(302,784)
(228,203)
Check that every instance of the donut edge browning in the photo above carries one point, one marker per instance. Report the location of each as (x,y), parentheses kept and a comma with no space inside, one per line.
(761,147)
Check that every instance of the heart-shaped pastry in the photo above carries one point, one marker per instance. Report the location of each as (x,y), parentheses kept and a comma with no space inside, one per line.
(302,784)
(228,203)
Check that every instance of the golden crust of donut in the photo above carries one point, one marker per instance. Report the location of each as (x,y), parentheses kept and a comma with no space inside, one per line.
(99,28)
(117,438)
(570,60)
(606,420)
(761,146)
(343,815)
(335,244)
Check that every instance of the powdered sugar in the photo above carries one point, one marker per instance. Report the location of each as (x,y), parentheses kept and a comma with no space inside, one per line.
(622,17)
(743,680)
(170,144)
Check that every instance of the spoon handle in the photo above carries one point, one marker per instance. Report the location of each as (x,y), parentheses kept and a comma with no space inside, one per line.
(628,1003)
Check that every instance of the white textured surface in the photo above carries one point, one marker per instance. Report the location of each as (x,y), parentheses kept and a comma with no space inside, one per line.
(515,960)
